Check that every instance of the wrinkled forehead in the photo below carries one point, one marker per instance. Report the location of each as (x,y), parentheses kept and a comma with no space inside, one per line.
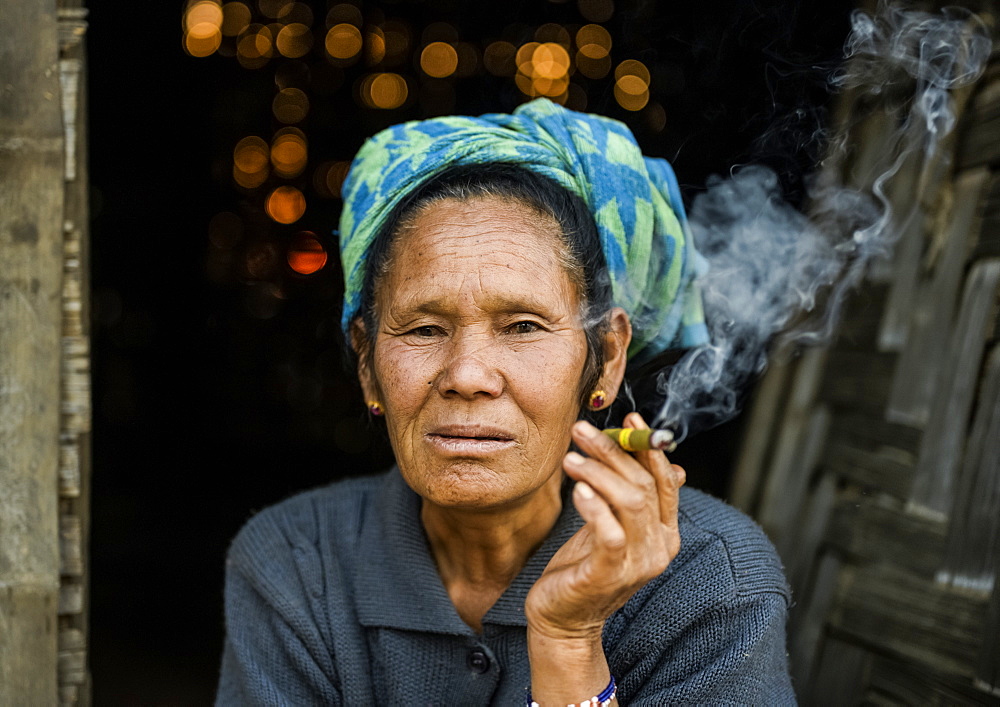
(486,243)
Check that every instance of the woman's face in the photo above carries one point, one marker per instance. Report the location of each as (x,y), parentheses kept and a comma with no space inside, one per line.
(479,353)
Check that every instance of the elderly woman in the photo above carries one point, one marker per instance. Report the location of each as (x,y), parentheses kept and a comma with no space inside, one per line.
(499,273)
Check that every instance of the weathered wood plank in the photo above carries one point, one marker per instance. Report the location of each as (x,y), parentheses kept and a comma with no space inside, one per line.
(70,598)
(70,546)
(916,375)
(74,475)
(988,243)
(768,401)
(31,206)
(974,532)
(902,683)
(858,380)
(868,531)
(988,665)
(841,675)
(979,144)
(913,619)
(912,213)
(886,471)
(788,473)
(800,556)
(861,319)
(941,448)
(808,618)
(871,433)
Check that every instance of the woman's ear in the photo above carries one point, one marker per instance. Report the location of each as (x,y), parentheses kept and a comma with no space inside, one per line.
(616,343)
(362,348)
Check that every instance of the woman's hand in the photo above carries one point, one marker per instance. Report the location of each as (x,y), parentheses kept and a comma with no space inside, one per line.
(629,504)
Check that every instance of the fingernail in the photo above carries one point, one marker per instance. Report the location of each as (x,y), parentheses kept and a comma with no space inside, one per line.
(585,490)
(573,459)
(586,429)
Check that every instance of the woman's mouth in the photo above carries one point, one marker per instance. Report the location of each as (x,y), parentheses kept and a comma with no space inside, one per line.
(469,440)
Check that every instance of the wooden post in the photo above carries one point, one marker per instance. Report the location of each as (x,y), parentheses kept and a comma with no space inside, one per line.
(31,265)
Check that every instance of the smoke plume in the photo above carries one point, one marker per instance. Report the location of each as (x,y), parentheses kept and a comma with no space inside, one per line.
(770,263)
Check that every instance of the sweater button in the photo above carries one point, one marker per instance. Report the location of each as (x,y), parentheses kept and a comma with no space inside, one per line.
(478,661)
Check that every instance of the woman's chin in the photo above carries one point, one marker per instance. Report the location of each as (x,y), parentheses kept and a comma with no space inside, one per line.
(471,484)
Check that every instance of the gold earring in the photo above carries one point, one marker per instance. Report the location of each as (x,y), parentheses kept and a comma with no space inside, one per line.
(597,399)
(375,408)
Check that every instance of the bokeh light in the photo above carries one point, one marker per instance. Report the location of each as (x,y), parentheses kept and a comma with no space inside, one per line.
(254,46)
(499,58)
(290,105)
(289,153)
(631,67)
(396,35)
(202,28)
(343,41)
(551,32)
(203,12)
(202,40)
(543,70)
(593,68)
(336,175)
(384,90)
(285,204)
(439,59)
(272,8)
(655,117)
(468,60)
(251,162)
(235,18)
(596,10)
(296,13)
(550,61)
(374,46)
(328,177)
(294,40)
(344,13)
(632,85)
(593,41)
(306,255)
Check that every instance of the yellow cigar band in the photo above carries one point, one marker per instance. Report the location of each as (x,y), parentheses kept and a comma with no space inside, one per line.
(623,438)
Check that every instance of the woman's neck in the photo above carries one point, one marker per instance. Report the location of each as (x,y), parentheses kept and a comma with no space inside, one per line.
(479,552)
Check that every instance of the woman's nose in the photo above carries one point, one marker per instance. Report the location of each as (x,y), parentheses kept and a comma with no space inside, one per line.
(472,368)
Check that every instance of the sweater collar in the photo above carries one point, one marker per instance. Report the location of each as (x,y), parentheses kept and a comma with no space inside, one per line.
(397,583)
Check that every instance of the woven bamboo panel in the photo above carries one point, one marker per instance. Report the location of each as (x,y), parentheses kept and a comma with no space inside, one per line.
(874,463)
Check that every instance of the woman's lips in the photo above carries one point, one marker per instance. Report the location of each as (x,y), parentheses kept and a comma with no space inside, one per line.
(469,440)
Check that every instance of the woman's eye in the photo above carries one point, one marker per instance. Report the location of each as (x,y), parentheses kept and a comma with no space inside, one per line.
(425,331)
(525,328)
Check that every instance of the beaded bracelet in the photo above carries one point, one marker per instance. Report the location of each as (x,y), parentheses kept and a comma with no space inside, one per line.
(602,700)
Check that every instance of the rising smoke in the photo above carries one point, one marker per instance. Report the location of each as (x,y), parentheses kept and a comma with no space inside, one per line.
(770,263)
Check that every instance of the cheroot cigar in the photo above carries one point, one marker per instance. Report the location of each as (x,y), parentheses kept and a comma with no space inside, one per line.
(640,440)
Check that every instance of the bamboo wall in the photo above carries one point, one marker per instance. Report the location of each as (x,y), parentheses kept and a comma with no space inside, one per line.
(874,463)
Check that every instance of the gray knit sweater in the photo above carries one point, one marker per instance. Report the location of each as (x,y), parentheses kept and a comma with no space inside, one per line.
(332,597)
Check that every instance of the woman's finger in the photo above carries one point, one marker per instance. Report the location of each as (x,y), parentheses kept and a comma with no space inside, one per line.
(616,490)
(599,446)
(637,509)
(608,535)
(668,480)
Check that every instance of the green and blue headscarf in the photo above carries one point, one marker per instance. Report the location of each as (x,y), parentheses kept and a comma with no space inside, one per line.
(635,202)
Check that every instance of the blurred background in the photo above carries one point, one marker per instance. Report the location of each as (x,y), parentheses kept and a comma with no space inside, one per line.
(219,135)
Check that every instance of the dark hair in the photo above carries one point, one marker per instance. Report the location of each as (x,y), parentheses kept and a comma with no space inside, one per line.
(582,247)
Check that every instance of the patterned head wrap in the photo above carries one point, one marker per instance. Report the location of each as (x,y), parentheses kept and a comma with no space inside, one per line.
(635,202)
